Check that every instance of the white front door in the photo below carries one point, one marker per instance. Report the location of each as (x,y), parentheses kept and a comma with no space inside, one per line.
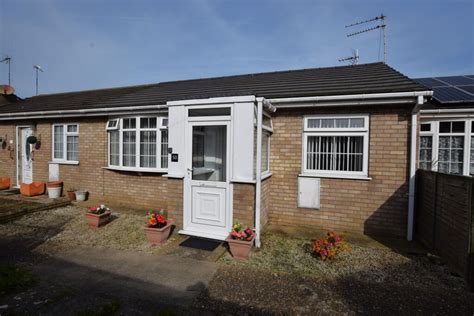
(24,158)
(207,211)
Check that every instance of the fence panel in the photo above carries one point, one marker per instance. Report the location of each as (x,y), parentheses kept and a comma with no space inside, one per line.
(444,218)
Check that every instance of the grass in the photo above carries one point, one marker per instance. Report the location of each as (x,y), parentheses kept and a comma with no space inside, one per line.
(109,308)
(14,279)
(284,254)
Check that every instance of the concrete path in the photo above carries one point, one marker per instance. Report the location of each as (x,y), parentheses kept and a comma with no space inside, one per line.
(92,279)
(183,276)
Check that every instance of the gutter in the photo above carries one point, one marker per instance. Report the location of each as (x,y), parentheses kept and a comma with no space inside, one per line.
(364,96)
(413,167)
(84,112)
(441,111)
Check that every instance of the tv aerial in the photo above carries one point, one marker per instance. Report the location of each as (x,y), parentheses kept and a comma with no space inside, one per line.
(7,60)
(354,59)
(37,68)
(381,25)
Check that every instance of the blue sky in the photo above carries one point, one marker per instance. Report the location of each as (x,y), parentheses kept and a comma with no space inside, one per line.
(98,44)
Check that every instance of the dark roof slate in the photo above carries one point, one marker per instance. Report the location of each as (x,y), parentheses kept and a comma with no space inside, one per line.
(342,80)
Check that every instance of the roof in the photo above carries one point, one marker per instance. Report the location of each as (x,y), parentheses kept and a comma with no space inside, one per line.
(342,80)
(450,90)
(8,98)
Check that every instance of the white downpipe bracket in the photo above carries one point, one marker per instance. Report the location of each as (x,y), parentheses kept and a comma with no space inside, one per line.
(413,159)
(258,171)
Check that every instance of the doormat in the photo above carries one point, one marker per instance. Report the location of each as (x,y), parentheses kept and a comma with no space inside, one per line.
(201,243)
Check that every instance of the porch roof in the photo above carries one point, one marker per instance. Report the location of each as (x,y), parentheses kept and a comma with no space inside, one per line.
(342,80)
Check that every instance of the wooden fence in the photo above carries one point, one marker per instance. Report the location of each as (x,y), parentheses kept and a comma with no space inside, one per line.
(444,219)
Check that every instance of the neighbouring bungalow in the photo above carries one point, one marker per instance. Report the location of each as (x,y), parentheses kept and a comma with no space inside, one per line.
(332,148)
(447,125)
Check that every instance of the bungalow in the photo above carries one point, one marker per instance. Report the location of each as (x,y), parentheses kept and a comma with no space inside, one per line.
(447,125)
(331,148)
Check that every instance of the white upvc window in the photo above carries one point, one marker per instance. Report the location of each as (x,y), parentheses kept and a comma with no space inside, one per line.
(446,146)
(138,143)
(426,146)
(267,131)
(336,146)
(65,143)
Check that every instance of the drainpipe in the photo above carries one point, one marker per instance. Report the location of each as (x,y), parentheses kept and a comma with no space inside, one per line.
(413,167)
(258,171)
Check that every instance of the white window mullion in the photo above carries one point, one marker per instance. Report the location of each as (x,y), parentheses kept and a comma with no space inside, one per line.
(121,143)
(467,148)
(137,142)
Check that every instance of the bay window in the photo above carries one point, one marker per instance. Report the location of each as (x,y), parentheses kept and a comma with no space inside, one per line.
(66,143)
(336,146)
(138,143)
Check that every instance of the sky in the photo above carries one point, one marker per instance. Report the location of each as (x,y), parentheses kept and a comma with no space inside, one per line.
(107,43)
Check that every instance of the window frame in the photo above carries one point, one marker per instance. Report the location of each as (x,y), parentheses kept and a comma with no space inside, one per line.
(66,134)
(435,133)
(334,132)
(160,127)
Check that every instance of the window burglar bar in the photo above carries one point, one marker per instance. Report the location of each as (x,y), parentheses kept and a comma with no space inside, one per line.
(335,153)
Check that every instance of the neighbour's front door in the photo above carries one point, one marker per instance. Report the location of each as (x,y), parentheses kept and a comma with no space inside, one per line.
(207,211)
(24,159)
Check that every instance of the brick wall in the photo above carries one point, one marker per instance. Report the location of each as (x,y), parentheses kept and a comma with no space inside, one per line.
(135,190)
(7,157)
(265,204)
(244,203)
(377,206)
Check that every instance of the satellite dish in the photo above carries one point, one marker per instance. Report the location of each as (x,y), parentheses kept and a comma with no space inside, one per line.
(6,89)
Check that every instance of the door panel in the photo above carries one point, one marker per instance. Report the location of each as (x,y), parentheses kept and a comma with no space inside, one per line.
(25,167)
(209,206)
(207,211)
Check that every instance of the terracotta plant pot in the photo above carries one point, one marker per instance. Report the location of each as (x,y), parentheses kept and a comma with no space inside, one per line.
(4,183)
(157,236)
(97,220)
(71,195)
(32,189)
(240,249)
(55,184)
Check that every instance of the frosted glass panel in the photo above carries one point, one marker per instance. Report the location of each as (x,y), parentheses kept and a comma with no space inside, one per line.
(209,153)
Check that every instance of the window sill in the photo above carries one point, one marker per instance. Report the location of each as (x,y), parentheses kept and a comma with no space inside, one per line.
(266,175)
(336,176)
(174,176)
(135,170)
(64,162)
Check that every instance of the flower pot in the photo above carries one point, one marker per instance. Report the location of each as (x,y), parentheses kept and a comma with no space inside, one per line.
(32,189)
(240,249)
(55,184)
(55,192)
(95,221)
(71,195)
(157,236)
(4,183)
(81,195)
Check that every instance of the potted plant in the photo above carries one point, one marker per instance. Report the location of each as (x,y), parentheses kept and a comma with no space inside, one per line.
(4,183)
(98,216)
(54,189)
(81,195)
(158,227)
(240,241)
(71,194)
